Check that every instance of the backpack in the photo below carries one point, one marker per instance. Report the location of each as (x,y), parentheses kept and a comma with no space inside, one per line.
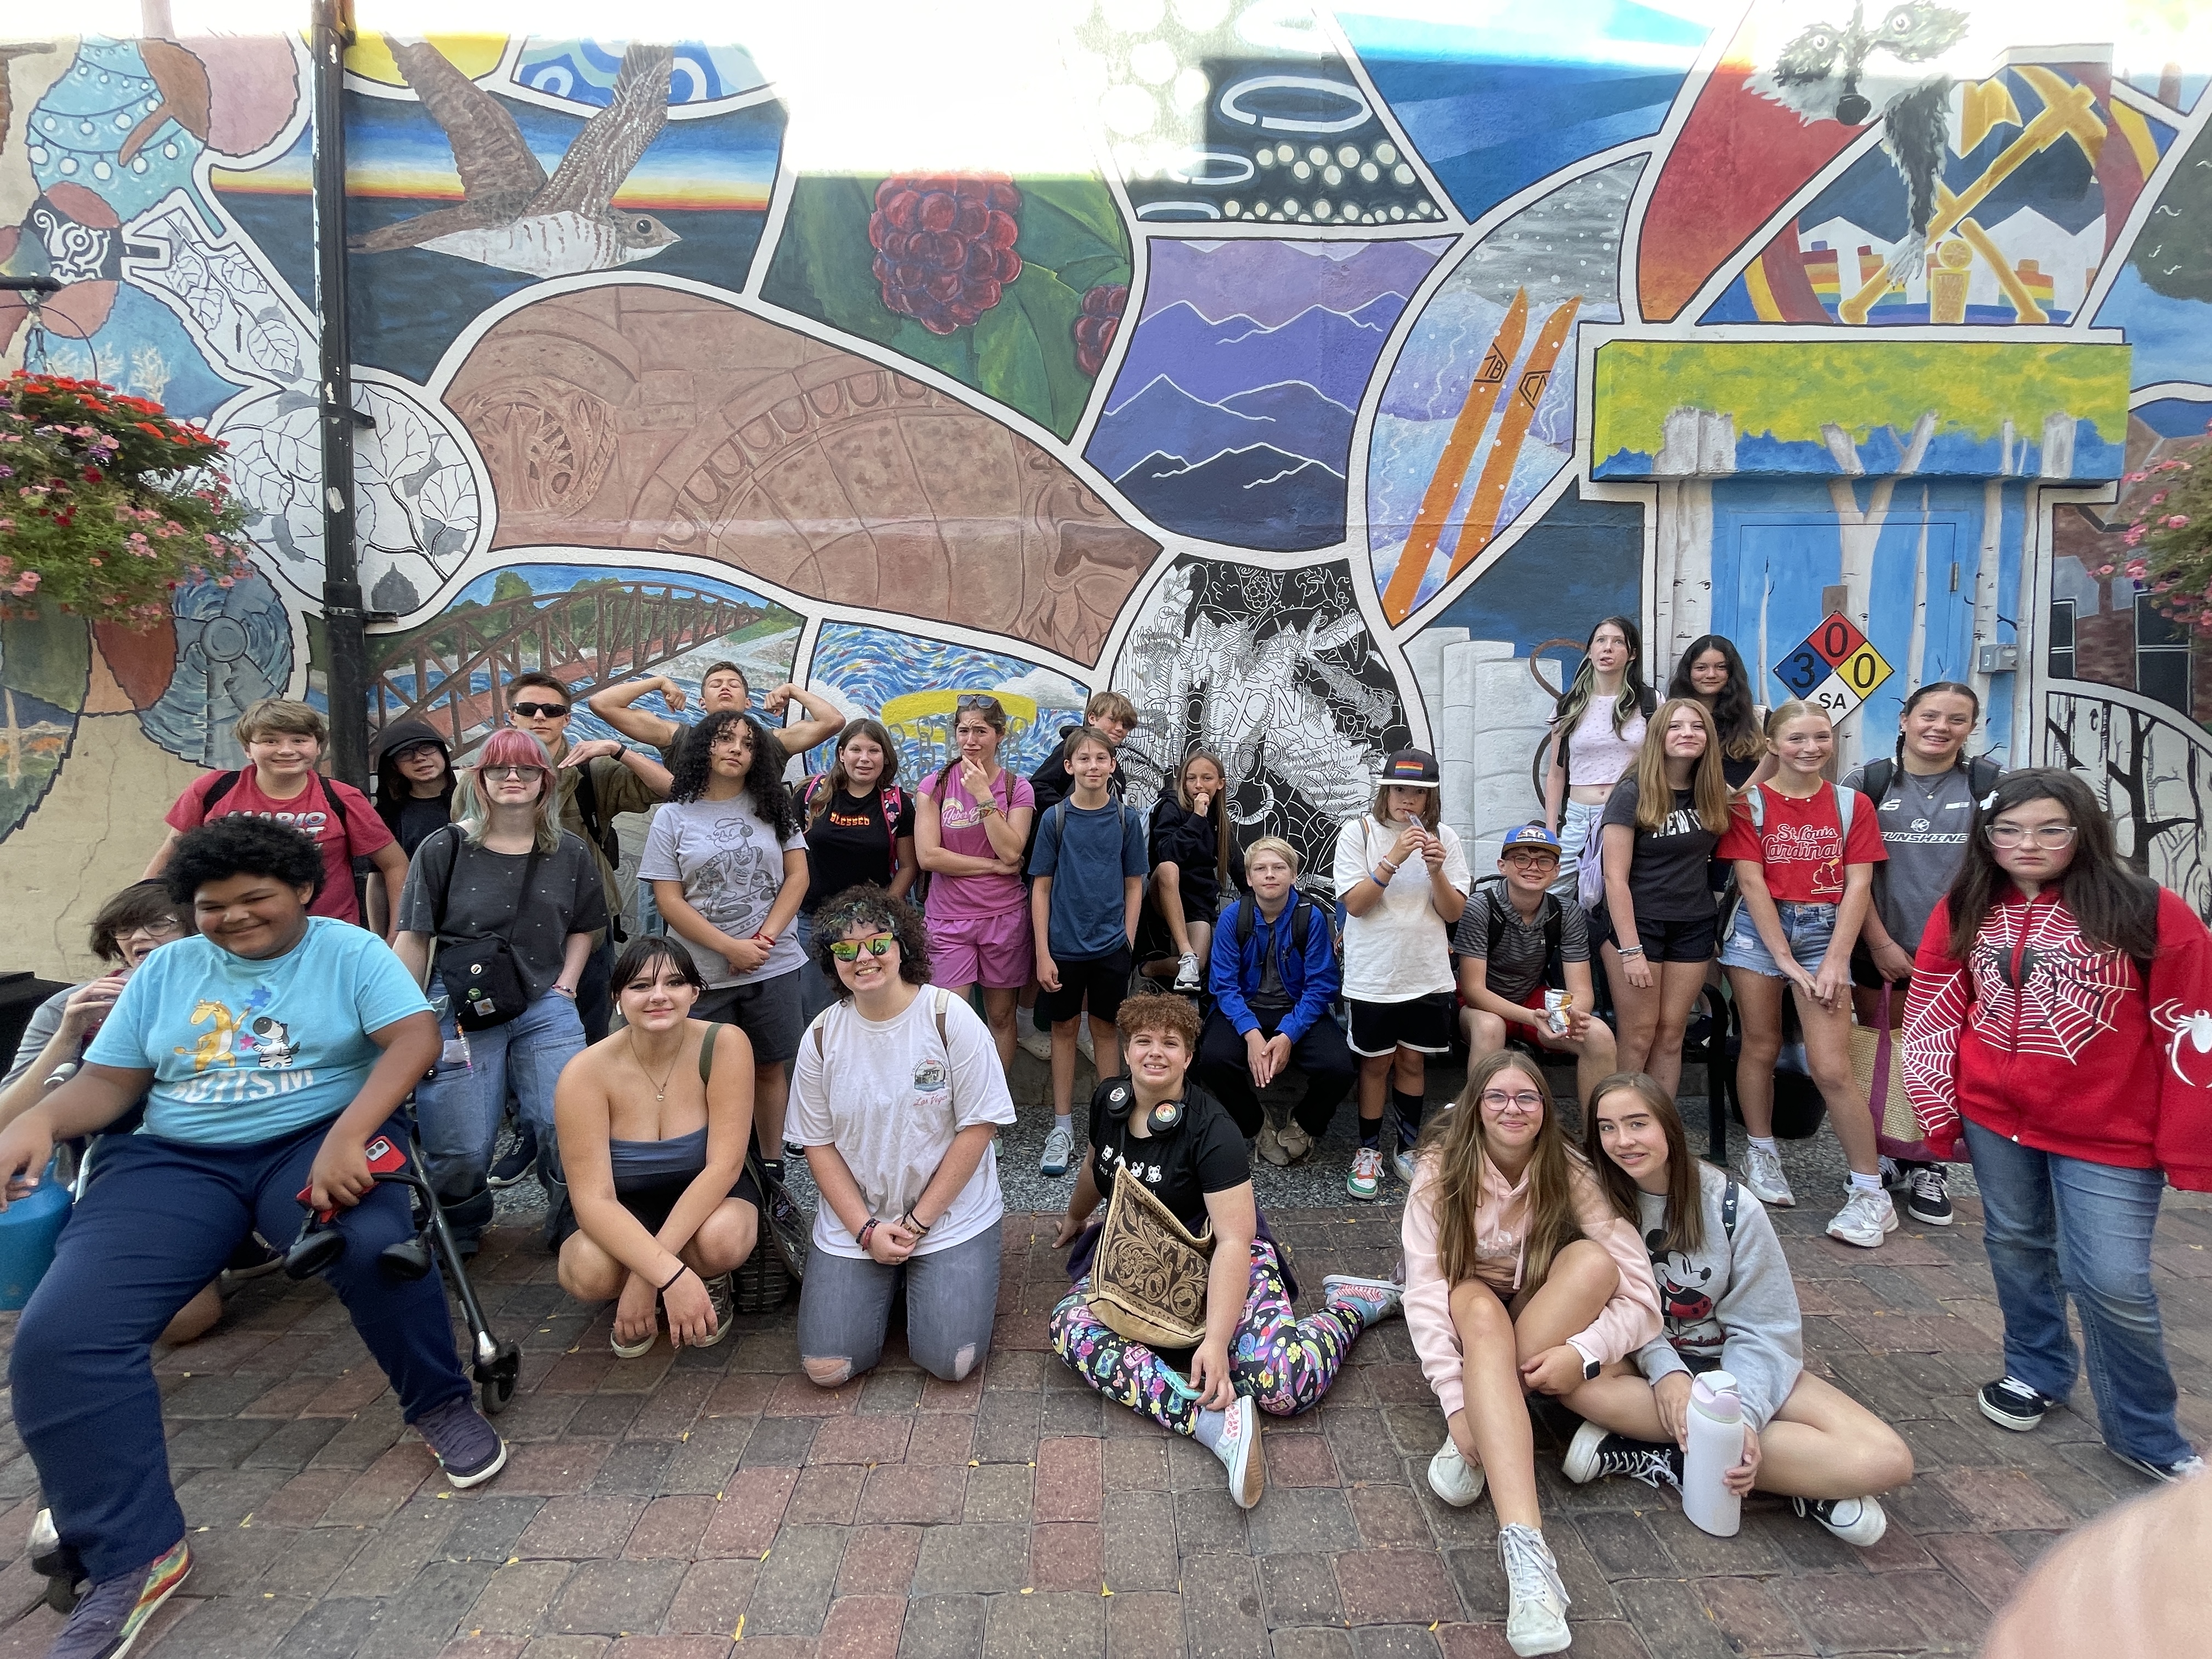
(1982,775)
(363,866)
(1550,911)
(1755,798)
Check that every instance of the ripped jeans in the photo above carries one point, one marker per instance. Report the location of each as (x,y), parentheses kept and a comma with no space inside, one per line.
(1284,1363)
(951,1299)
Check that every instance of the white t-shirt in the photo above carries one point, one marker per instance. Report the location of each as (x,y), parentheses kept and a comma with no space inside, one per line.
(732,869)
(1400,949)
(890,1097)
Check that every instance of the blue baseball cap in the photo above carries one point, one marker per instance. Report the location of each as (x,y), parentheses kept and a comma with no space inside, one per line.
(1531,835)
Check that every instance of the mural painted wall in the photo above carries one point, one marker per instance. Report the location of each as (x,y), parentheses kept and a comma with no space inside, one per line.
(1340,368)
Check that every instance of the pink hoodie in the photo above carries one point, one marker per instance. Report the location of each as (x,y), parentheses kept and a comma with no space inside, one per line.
(1625,1323)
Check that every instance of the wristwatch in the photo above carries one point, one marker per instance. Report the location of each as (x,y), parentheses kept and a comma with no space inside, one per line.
(1590,1369)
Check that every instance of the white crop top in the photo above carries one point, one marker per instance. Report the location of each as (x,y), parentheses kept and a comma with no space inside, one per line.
(1596,757)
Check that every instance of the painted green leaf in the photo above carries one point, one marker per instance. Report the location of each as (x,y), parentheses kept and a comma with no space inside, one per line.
(1010,358)
(823,266)
(1067,219)
(1051,307)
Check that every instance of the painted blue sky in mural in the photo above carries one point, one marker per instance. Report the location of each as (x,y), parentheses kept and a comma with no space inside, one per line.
(1536,87)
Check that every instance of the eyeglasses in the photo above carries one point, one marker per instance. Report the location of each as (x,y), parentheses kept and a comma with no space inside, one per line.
(849,950)
(976,699)
(415,751)
(551,711)
(167,928)
(512,772)
(1528,1100)
(2050,836)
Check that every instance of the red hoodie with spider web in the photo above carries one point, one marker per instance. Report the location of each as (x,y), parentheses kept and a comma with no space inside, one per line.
(2065,1048)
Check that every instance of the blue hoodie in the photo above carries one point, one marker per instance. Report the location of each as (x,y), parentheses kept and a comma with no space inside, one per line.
(1310,978)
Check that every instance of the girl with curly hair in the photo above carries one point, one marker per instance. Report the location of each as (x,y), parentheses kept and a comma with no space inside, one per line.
(728,867)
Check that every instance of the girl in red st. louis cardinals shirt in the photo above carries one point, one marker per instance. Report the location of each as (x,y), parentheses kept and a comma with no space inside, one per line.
(1804,851)
(2056,1002)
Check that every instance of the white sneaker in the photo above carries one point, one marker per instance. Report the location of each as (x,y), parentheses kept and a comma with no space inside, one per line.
(1083,1045)
(1452,1478)
(1857,1520)
(1238,1449)
(1402,1161)
(1538,1621)
(1186,977)
(1059,1149)
(1864,1218)
(1762,1174)
(1365,1180)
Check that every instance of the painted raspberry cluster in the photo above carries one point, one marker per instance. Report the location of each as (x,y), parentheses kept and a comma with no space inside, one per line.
(107,504)
(1095,327)
(944,246)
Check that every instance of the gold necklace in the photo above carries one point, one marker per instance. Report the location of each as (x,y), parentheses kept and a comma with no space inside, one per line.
(659,1089)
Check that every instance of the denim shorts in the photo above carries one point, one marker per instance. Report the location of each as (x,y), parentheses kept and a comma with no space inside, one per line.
(1807,927)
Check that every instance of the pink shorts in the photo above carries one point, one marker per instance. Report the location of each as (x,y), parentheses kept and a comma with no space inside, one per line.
(997,952)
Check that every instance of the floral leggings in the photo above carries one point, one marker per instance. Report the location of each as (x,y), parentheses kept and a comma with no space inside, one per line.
(1284,1363)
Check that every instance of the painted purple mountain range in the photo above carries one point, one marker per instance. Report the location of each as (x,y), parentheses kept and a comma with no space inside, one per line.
(1238,427)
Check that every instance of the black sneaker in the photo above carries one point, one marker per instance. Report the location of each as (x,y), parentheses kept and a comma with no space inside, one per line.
(1928,1198)
(466,1446)
(1593,1453)
(114,1613)
(2011,1404)
(2189,1469)
(514,1167)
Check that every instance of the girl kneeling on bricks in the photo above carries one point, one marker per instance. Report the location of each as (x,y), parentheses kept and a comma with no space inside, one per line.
(1254,1355)
(1729,1305)
(1520,1278)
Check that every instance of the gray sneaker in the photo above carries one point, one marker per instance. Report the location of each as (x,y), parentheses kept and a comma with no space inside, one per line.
(720,1295)
(1059,1149)
(1762,1174)
(115,1611)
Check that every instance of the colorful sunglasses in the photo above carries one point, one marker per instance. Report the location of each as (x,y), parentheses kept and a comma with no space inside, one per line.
(849,950)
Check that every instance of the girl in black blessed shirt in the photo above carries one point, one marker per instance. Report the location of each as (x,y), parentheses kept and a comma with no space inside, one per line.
(860,832)
(1256,1356)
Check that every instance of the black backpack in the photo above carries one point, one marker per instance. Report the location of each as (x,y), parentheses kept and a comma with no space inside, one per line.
(1550,911)
(363,866)
(1982,775)
(1301,912)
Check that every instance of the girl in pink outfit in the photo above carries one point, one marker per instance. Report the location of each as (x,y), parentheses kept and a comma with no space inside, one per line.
(1519,1278)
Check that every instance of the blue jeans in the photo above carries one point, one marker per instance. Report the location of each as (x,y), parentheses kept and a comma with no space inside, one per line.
(156,1222)
(2055,1226)
(1807,925)
(458,1108)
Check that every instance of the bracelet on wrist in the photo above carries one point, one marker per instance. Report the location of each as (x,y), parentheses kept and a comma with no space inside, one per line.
(1630,949)
(682,1268)
(866,1228)
(912,1223)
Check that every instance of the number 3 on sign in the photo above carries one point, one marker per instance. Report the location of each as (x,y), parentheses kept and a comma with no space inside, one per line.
(1802,669)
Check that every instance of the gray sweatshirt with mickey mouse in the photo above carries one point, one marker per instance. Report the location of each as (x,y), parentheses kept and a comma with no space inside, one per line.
(1730,1304)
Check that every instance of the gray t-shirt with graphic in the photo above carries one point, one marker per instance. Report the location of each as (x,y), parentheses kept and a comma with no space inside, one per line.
(1925,821)
(731,867)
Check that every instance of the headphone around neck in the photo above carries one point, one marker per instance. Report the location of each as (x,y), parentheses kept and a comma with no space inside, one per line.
(1162,1118)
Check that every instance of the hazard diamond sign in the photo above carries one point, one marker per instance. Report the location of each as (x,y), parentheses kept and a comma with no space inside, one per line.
(1835,668)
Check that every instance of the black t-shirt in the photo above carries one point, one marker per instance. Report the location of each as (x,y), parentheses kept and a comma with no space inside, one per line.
(487,900)
(419,817)
(1669,875)
(1204,1153)
(848,844)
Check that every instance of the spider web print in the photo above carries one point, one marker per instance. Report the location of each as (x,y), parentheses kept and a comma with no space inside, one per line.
(2067,992)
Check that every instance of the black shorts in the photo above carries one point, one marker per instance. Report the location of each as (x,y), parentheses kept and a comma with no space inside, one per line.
(652,1203)
(1101,982)
(1422,1024)
(1675,941)
(768,1010)
(1866,977)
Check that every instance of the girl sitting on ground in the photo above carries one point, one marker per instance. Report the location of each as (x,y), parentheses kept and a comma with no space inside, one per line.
(1256,1355)
(653,1123)
(1519,1279)
(1729,1305)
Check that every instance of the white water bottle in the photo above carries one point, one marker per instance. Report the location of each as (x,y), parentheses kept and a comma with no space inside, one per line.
(1715,1421)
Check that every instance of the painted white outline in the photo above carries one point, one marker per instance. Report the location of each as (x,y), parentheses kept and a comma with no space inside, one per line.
(502,78)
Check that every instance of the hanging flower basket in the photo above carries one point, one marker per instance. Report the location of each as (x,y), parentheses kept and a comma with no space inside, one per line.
(107,504)
(2169,535)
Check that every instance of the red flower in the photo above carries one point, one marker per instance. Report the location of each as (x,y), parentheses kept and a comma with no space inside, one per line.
(92,475)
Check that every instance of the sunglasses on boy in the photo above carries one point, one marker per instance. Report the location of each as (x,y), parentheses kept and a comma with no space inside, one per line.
(849,950)
(551,711)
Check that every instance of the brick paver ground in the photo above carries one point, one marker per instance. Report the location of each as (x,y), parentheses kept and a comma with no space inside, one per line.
(677,1507)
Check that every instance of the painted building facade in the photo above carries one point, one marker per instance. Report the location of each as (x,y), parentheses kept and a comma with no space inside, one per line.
(1356,366)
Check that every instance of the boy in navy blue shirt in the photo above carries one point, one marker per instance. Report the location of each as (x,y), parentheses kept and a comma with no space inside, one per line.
(1090,865)
(1274,973)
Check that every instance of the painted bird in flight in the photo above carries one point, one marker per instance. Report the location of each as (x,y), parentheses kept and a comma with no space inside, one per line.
(512,215)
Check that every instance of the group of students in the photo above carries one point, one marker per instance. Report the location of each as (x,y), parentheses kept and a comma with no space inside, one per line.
(257,1043)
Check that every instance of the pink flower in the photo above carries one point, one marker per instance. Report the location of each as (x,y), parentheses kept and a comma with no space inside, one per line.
(2134,477)
(26,584)
(2134,536)
(2177,521)
(2158,500)
(2136,569)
